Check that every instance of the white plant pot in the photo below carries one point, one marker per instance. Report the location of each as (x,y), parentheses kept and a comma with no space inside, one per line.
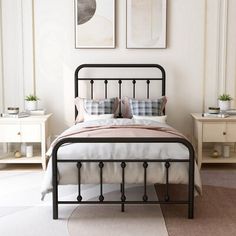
(224,105)
(30,105)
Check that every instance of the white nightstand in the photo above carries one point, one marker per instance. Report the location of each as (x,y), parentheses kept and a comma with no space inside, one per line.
(211,131)
(33,129)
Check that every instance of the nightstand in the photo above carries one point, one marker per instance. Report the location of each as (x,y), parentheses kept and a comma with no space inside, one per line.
(208,132)
(32,129)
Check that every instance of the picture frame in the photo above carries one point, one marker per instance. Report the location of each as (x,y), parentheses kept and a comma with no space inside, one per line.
(146,24)
(94,23)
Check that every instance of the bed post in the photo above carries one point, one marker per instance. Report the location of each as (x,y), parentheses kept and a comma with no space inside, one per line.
(191,182)
(54,184)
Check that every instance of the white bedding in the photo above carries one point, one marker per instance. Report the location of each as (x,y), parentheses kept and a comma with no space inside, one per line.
(112,172)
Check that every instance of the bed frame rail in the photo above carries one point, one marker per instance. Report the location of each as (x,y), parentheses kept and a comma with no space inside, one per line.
(123,162)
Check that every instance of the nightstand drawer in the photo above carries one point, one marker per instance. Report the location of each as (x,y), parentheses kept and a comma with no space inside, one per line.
(10,133)
(214,132)
(231,132)
(20,133)
(31,133)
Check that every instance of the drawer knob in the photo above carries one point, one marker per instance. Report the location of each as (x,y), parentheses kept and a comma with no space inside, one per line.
(224,133)
(18,133)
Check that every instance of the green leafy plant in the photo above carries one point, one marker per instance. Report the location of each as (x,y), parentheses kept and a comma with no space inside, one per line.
(31,97)
(225,97)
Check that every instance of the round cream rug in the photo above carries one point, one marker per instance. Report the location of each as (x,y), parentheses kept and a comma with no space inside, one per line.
(102,220)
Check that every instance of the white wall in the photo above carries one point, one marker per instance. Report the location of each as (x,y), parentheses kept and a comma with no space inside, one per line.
(1,64)
(220,50)
(199,59)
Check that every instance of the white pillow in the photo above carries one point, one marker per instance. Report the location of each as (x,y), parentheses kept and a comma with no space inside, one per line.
(161,119)
(88,117)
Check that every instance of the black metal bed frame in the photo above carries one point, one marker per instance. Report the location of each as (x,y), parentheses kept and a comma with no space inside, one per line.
(101,162)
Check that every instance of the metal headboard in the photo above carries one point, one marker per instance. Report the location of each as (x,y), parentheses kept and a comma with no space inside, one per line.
(119,80)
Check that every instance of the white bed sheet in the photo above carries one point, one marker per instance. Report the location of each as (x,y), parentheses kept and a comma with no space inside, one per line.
(156,172)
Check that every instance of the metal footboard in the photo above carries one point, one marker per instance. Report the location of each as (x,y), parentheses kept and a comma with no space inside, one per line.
(123,162)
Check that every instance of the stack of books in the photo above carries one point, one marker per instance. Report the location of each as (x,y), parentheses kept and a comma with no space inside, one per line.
(19,115)
(231,112)
(38,112)
(215,112)
(221,115)
(23,114)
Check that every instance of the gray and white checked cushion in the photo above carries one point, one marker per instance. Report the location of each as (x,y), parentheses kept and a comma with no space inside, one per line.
(100,107)
(147,107)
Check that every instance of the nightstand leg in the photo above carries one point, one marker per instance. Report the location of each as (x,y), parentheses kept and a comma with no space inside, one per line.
(43,152)
(199,165)
(5,147)
(199,155)
(44,164)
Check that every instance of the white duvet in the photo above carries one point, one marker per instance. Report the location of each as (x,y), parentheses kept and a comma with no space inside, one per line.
(156,172)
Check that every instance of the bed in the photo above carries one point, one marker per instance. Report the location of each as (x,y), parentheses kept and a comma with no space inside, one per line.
(122,151)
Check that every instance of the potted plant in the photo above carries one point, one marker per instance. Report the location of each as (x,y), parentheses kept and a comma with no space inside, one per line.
(224,101)
(31,102)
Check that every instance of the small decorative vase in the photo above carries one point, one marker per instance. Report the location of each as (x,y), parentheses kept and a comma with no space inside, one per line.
(226,151)
(23,148)
(29,151)
(224,105)
(30,105)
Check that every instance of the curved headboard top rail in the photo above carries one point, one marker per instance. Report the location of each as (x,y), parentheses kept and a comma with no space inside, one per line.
(162,78)
(119,66)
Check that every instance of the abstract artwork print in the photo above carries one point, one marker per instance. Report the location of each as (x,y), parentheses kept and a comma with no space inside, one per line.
(94,23)
(146,24)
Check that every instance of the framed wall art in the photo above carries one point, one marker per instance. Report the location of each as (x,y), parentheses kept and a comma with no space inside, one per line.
(146,23)
(94,23)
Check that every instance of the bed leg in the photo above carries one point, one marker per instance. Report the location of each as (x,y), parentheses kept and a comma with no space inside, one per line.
(121,187)
(190,212)
(55,211)
(55,186)
(191,202)
(191,185)
(55,201)
(122,207)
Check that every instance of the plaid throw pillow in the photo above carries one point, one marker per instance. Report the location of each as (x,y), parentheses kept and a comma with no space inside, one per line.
(148,107)
(100,107)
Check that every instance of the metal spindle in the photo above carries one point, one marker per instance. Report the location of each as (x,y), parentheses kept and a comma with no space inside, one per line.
(167,166)
(134,82)
(120,82)
(148,83)
(101,197)
(105,82)
(91,84)
(123,197)
(79,165)
(145,197)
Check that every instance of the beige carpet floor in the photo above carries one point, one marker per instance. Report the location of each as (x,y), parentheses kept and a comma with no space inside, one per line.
(215,210)
(138,220)
(22,213)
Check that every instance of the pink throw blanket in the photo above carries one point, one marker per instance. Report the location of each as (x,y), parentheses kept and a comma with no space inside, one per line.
(121,131)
